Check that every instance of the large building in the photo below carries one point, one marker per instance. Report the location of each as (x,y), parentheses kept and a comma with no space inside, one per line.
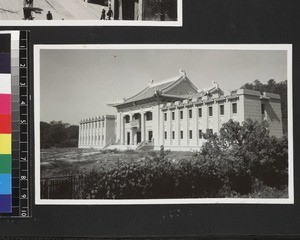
(175,114)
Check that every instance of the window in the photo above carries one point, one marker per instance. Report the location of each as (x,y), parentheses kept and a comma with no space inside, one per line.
(166,135)
(173,134)
(173,115)
(234,108)
(210,111)
(181,134)
(148,116)
(200,133)
(191,134)
(166,116)
(127,119)
(263,109)
(221,109)
(181,114)
(190,113)
(200,112)
(150,134)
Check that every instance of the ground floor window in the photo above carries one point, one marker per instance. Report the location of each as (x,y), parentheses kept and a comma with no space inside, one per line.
(191,134)
(173,134)
(181,134)
(166,135)
(200,133)
(150,135)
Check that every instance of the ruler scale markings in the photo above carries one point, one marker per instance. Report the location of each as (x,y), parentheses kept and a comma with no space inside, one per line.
(20,173)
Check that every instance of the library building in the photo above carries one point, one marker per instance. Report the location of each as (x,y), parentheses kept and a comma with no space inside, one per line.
(175,114)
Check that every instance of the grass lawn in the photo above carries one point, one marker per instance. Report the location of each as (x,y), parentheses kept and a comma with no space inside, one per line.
(72,161)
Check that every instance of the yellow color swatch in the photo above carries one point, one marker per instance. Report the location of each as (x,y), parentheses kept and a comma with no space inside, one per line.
(5,143)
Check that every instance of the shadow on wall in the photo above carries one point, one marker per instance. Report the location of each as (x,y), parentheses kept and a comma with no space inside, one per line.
(271,113)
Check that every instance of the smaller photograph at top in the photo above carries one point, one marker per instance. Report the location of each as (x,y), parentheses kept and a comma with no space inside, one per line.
(91,12)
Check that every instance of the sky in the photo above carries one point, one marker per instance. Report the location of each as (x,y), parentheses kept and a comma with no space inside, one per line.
(79,83)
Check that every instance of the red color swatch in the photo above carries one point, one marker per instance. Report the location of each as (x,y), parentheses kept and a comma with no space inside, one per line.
(5,104)
(5,123)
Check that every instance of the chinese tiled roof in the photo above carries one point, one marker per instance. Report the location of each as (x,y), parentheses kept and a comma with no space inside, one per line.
(159,88)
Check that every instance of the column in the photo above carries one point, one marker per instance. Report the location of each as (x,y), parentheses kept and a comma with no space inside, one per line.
(195,125)
(177,126)
(112,5)
(131,131)
(205,117)
(86,133)
(120,10)
(104,131)
(142,126)
(140,10)
(79,135)
(169,131)
(97,133)
(186,133)
(101,132)
(121,129)
(161,131)
(83,133)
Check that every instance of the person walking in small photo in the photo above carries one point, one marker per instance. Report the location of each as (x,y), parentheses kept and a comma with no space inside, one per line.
(109,13)
(49,16)
(103,14)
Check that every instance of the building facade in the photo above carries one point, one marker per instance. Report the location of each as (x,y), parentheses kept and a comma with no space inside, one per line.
(175,114)
(149,10)
(97,132)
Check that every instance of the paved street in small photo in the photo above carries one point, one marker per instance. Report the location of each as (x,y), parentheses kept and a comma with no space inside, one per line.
(60,9)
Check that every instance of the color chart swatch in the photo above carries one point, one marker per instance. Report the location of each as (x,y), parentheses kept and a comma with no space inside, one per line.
(14,124)
(5,125)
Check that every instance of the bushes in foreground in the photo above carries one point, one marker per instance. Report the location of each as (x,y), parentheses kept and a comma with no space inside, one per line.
(229,164)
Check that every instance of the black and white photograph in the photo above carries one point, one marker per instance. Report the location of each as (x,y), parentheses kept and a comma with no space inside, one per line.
(163,124)
(91,12)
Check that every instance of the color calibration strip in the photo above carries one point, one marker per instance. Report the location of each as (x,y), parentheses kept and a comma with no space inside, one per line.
(14,127)
(5,125)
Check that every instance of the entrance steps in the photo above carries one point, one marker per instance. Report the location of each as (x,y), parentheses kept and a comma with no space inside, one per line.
(122,147)
(145,146)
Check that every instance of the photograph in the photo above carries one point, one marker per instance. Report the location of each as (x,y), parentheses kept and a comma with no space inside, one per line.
(91,12)
(163,124)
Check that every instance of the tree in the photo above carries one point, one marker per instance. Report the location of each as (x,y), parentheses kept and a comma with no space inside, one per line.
(58,134)
(248,151)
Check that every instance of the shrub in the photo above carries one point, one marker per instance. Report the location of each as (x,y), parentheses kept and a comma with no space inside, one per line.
(246,152)
(229,165)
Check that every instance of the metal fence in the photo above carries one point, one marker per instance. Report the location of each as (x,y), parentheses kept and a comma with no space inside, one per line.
(67,187)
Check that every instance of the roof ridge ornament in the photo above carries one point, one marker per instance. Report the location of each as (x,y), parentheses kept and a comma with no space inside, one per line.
(151,82)
(182,72)
(215,84)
